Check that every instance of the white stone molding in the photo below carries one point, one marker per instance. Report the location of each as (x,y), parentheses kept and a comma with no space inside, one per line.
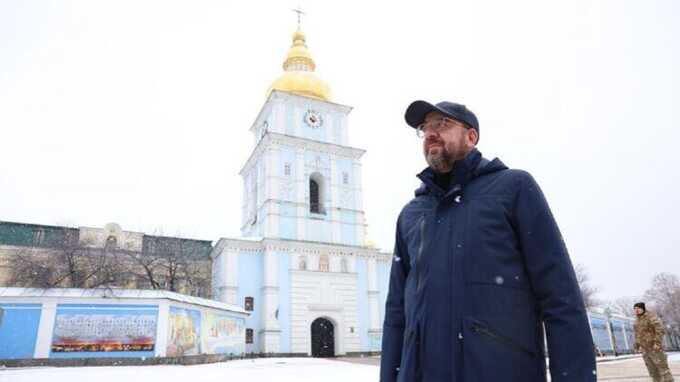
(328,295)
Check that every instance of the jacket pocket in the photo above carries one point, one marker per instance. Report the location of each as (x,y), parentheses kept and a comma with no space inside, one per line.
(505,345)
(478,327)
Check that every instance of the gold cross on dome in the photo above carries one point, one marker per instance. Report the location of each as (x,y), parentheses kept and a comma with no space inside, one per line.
(299,13)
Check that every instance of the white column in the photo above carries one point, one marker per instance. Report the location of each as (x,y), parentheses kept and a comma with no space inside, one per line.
(359,202)
(230,272)
(162,329)
(345,132)
(300,188)
(45,327)
(373,295)
(271,334)
(335,200)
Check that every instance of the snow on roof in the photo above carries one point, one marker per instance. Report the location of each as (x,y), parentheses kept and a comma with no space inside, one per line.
(117,293)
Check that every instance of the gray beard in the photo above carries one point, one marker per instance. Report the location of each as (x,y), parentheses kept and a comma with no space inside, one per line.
(441,163)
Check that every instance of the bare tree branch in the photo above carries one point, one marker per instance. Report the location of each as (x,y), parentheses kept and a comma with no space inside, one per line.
(588,291)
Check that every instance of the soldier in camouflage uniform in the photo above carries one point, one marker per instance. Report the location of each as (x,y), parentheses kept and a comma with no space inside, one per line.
(649,332)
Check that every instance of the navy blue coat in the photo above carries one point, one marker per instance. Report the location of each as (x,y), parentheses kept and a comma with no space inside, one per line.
(478,271)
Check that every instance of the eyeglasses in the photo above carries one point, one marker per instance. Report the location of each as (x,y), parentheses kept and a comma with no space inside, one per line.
(438,125)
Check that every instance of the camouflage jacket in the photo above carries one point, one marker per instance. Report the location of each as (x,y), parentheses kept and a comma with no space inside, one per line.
(649,332)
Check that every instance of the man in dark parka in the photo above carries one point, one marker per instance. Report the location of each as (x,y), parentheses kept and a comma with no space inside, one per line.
(480,268)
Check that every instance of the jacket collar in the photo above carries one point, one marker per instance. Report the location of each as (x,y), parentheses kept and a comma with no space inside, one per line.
(471,167)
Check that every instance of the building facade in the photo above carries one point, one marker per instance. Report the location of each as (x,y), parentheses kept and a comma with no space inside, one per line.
(303,265)
(62,256)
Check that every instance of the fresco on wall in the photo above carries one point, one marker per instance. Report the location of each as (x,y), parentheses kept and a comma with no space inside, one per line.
(18,330)
(223,334)
(184,332)
(98,330)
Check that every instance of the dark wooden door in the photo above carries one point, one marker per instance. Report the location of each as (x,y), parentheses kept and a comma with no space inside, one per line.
(323,343)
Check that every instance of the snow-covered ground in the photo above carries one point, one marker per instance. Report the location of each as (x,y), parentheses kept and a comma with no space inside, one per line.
(257,370)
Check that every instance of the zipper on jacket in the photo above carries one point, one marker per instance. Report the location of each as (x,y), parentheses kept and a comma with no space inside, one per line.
(419,280)
(502,339)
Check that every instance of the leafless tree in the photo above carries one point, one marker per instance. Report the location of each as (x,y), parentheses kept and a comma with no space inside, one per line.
(664,297)
(66,264)
(623,306)
(588,291)
(170,264)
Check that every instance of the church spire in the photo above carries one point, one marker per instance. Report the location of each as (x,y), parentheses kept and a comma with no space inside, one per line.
(299,66)
(299,58)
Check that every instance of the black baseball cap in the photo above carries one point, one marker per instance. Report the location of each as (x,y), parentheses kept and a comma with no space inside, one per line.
(416,112)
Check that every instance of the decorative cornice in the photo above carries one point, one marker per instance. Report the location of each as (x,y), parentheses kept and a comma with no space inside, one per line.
(271,140)
(297,246)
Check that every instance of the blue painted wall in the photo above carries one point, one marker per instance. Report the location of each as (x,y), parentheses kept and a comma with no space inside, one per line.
(348,232)
(344,166)
(284,301)
(601,333)
(83,317)
(337,129)
(362,298)
(290,124)
(617,330)
(287,220)
(287,155)
(250,271)
(18,330)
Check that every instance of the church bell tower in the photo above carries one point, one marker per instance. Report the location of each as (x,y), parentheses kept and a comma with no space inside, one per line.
(303,181)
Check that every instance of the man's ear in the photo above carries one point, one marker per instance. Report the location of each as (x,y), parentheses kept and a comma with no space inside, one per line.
(473,136)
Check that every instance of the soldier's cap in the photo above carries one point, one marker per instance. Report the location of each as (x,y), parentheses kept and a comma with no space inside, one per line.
(640,305)
(417,110)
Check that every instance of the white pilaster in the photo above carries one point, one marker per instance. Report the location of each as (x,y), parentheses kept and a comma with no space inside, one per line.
(230,272)
(271,334)
(162,329)
(373,295)
(300,188)
(45,327)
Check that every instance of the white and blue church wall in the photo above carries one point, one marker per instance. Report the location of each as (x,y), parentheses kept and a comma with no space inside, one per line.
(250,281)
(278,201)
(312,280)
(302,117)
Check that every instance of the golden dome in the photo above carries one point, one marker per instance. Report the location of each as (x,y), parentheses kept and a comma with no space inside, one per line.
(299,77)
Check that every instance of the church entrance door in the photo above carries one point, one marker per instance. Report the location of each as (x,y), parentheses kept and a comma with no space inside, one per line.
(323,342)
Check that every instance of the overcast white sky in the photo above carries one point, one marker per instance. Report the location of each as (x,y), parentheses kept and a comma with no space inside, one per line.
(137,112)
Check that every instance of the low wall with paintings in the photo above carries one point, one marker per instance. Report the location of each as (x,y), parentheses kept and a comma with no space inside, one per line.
(119,323)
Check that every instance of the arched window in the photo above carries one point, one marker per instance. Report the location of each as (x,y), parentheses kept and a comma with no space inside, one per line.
(317,191)
(323,263)
(343,265)
(303,263)
(314,205)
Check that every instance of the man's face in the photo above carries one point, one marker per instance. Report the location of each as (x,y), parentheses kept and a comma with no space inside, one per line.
(638,311)
(448,144)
